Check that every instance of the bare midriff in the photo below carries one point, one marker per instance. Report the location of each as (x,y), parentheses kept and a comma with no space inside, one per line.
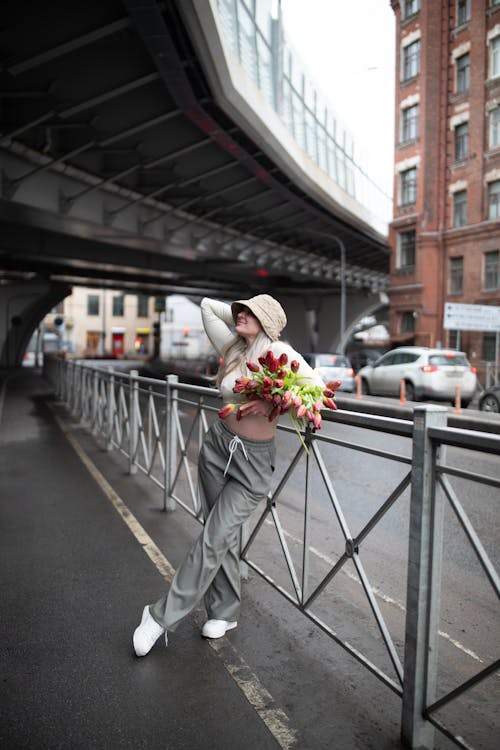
(252,427)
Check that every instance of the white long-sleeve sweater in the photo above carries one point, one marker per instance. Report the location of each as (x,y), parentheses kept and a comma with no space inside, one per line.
(217,319)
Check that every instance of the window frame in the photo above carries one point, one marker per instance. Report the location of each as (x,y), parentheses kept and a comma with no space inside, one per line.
(410,8)
(494,190)
(407,325)
(462,73)
(406,248)
(409,124)
(459,200)
(93,299)
(456,275)
(410,62)
(494,127)
(494,45)
(408,186)
(492,272)
(461,141)
(118,302)
(463,7)
(142,299)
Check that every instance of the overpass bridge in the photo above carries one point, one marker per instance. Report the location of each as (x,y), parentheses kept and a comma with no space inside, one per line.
(175,147)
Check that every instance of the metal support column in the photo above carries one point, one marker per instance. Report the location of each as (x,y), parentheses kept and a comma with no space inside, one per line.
(171,382)
(424,581)
(133,421)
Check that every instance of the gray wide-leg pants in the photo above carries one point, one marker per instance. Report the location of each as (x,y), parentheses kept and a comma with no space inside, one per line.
(229,494)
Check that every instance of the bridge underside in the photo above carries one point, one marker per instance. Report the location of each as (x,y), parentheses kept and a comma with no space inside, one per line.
(119,169)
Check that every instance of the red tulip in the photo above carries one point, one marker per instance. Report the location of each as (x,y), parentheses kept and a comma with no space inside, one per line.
(287,396)
(309,416)
(266,381)
(276,399)
(263,361)
(317,421)
(317,406)
(334,384)
(252,384)
(329,393)
(278,383)
(283,360)
(273,365)
(330,403)
(294,365)
(297,401)
(301,411)
(226,410)
(270,357)
(253,366)
(274,413)
(281,373)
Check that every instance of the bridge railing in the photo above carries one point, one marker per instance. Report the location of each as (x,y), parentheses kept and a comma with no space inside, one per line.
(159,426)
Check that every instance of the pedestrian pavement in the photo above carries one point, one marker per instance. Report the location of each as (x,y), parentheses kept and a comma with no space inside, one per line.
(74,581)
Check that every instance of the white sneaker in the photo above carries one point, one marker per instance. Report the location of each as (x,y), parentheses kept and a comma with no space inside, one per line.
(147,633)
(217,628)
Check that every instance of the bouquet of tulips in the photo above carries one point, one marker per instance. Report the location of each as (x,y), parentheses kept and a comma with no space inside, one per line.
(273,380)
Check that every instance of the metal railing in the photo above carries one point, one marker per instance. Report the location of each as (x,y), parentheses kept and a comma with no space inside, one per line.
(159,426)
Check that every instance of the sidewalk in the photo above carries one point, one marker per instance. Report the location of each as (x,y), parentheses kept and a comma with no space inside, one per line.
(74,581)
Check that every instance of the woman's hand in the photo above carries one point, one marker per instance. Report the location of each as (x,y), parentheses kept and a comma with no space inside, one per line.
(257,408)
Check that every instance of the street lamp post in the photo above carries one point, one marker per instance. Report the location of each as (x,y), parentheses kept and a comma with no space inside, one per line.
(343,298)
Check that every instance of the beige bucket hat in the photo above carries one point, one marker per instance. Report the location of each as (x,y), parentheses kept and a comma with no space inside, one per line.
(267,310)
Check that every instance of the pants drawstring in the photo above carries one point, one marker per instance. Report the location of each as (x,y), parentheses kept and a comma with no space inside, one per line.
(233,446)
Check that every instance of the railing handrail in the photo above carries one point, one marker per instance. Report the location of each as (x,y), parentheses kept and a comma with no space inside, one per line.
(88,391)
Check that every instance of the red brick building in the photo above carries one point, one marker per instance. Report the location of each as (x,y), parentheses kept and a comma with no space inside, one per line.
(445,235)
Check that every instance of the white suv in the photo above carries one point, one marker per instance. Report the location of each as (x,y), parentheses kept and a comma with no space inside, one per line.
(427,373)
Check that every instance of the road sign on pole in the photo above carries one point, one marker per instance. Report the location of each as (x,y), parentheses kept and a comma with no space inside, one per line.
(458,317)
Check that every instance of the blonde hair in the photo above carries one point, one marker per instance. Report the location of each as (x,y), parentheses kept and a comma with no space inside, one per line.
(237,353)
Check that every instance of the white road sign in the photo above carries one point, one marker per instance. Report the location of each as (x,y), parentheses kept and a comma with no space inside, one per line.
(459,317)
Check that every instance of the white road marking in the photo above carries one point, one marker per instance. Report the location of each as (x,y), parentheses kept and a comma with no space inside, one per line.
(379,593)
(254,691)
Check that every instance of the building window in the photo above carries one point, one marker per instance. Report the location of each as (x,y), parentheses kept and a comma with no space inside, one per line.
(142,305)
(410,7)
(456,275)
(495,57)
(488,347)
(407,322)
(411,60)
(463,12)
(461,141)
(491,275)
(494,128)
(92,304)
(494,200)
(463,73)
(460,208)
(408,182)
(407,241)
(118,305)
(409,124)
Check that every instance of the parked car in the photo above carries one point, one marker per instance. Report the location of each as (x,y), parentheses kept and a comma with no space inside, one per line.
(427,373)
(490,399)
(332,367)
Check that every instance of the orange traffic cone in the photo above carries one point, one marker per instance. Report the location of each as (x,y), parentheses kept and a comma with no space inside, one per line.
(359,391)
(402,393)
(458,400)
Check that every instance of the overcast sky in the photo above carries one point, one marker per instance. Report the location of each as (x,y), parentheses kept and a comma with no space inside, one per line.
(349,48)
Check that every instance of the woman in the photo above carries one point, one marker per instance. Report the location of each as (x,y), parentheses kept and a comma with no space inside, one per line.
(234,473)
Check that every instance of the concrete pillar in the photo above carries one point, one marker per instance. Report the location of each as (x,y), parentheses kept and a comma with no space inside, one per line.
(22,307)
(314,322)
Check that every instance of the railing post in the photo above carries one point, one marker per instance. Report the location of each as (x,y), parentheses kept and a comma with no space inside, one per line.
(171,382)
(95,402)
(424,581)
(111,409)
(133,422)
